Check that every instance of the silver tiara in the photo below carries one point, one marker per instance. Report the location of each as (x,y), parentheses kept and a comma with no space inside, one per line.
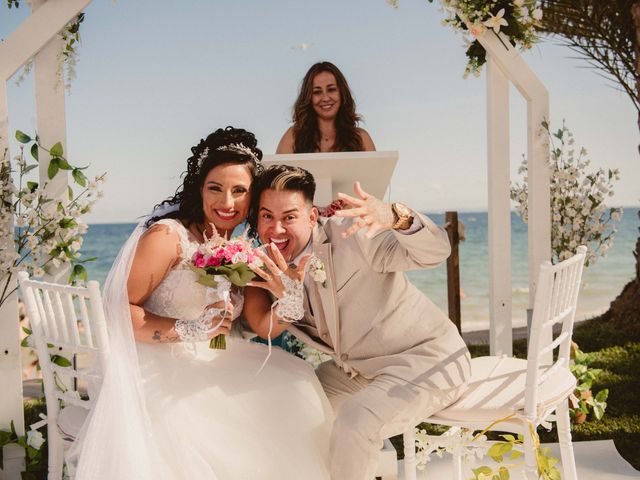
(238,148)
(202,157)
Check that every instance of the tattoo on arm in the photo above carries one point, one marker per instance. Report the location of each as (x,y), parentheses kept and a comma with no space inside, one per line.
(159,337)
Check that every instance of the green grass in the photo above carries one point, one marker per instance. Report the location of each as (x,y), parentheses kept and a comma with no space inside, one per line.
(618,355)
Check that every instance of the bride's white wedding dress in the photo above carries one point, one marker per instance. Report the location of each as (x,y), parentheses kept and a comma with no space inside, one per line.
(211,415)
(192,413)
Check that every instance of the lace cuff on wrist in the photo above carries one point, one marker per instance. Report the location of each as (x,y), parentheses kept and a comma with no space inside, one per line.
(291,306)
(197,330)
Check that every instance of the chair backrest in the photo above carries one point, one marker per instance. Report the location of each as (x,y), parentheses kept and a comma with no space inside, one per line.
(68,322)
(555,303)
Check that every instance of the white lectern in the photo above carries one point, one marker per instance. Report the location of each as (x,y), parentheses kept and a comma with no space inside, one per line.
(337,171)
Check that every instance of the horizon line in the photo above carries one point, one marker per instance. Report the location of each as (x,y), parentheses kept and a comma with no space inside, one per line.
(433,212)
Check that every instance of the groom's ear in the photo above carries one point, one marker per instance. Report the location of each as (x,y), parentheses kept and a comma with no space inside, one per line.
(313,216)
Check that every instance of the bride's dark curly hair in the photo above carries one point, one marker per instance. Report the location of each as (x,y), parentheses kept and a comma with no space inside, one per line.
(206,156)
(305,120)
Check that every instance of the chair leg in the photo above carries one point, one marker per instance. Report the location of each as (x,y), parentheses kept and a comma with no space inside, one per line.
(56,452)
(530,464)
(388,463)
(564,438)
(410,461)
(457,466)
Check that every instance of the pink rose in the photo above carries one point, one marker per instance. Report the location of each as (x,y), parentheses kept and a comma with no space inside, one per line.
(213,261)
(198,260)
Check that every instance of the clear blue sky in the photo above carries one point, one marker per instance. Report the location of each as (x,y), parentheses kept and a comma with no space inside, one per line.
(156,76)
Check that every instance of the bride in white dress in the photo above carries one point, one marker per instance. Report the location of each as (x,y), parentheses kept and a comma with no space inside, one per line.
(176,409)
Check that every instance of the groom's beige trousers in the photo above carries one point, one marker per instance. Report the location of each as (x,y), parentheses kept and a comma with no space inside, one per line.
(368,411)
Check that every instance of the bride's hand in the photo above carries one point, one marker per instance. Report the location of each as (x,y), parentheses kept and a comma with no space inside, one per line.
(277,266)
(220,315)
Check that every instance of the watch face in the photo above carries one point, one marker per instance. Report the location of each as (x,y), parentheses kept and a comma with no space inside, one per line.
(402,210)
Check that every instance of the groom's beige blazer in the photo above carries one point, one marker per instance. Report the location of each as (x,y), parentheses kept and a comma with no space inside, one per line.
(370,318)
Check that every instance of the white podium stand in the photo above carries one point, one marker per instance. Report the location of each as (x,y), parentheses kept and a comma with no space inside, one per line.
(337,171)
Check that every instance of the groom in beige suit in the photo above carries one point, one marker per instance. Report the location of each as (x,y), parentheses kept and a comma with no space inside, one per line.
(396,357)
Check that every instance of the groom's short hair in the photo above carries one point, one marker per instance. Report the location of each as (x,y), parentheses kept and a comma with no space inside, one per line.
(279,178)
(285,178)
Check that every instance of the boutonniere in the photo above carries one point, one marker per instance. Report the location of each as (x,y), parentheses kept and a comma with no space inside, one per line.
(317,271)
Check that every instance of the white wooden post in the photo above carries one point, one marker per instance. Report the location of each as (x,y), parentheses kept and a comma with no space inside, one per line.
(51,120)
(499,225)
(539,232)
(531,88)
(10,365)
(29,38)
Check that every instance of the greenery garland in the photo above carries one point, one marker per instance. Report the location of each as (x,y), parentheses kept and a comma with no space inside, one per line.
(515,19)
(68,57)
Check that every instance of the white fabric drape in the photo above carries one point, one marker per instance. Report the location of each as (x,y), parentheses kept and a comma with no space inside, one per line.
(115,442)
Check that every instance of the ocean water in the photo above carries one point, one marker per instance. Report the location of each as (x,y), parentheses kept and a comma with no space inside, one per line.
(601,283)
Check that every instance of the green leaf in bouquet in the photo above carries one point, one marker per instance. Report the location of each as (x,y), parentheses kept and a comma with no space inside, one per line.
(239,274)
(218,342)
(207,281)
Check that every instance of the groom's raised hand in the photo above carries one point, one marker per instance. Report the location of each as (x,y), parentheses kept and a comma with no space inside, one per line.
(276,268)
(368,212)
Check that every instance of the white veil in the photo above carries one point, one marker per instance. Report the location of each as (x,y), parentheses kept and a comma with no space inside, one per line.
(115,442)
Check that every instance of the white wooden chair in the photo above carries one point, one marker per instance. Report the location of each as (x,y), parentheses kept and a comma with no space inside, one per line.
(530,389)
(69,322)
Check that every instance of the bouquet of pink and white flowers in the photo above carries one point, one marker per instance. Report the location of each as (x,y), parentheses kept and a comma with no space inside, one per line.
(230,259)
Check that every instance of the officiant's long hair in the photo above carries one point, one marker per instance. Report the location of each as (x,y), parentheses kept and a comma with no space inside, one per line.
(228,145)
(305,120)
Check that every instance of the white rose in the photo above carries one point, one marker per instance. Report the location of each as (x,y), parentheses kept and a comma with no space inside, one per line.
(319,275)
(239,257)
(35,439)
